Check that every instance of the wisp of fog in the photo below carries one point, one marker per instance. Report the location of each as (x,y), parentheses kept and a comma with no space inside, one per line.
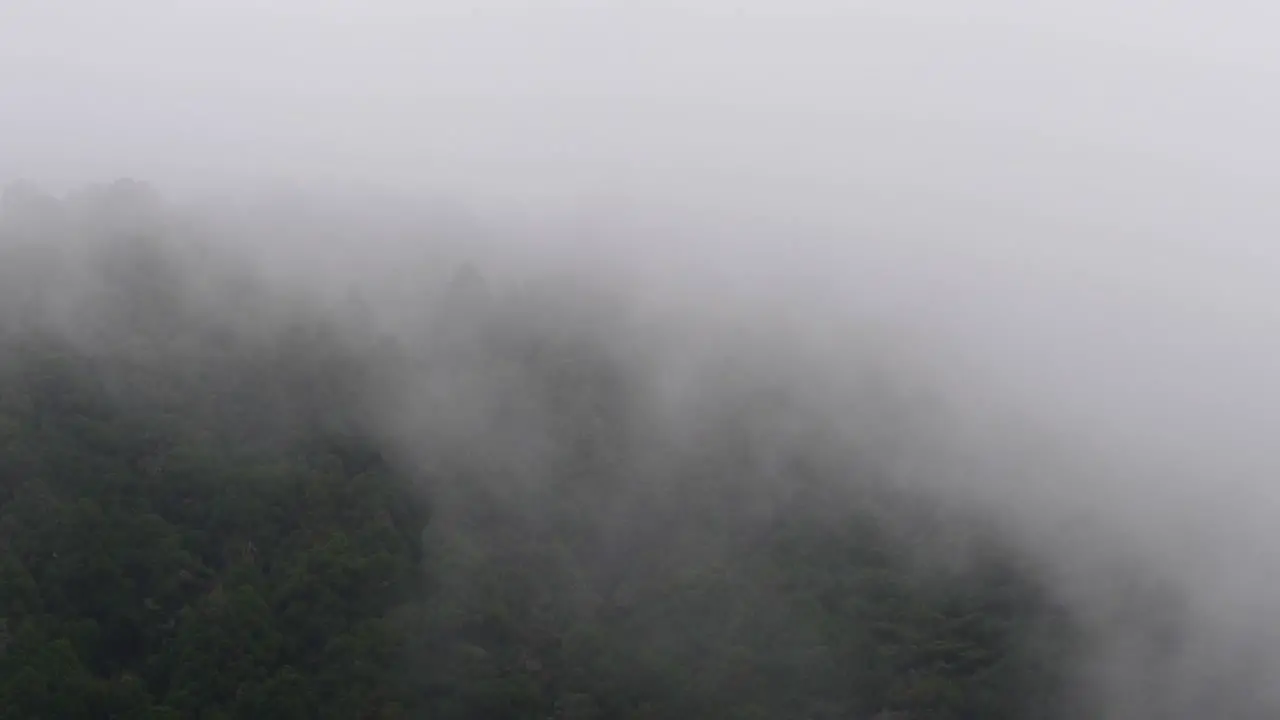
(1018,259)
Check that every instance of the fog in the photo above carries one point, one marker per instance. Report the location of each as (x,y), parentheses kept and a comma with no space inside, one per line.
(1060,214)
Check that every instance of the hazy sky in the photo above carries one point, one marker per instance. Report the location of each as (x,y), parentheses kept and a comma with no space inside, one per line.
(1083,181)
(991,101)
(1122,153)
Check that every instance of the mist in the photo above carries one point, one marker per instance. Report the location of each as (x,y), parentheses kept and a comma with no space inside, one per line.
(1050,226)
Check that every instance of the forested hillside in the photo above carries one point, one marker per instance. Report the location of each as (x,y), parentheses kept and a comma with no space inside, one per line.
(218,500)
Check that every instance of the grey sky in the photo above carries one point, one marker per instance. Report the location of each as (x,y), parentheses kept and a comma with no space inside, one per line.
(1076,188)
(1122,153)
(1023,97)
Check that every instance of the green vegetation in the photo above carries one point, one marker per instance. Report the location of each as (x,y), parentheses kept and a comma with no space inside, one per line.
(203,514)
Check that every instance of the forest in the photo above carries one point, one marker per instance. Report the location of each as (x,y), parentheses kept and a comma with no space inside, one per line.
(220,499)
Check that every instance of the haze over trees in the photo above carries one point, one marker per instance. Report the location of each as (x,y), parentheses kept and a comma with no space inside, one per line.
(228,490)
(222,500)
(224,495)
(591,358)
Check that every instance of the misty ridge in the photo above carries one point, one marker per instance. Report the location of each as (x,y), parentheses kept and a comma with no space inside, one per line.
(240,487)
(604,359)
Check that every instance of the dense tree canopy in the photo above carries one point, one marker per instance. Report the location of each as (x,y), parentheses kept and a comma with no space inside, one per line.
(215,503)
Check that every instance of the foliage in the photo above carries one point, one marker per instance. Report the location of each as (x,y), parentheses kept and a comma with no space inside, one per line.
(200,518)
